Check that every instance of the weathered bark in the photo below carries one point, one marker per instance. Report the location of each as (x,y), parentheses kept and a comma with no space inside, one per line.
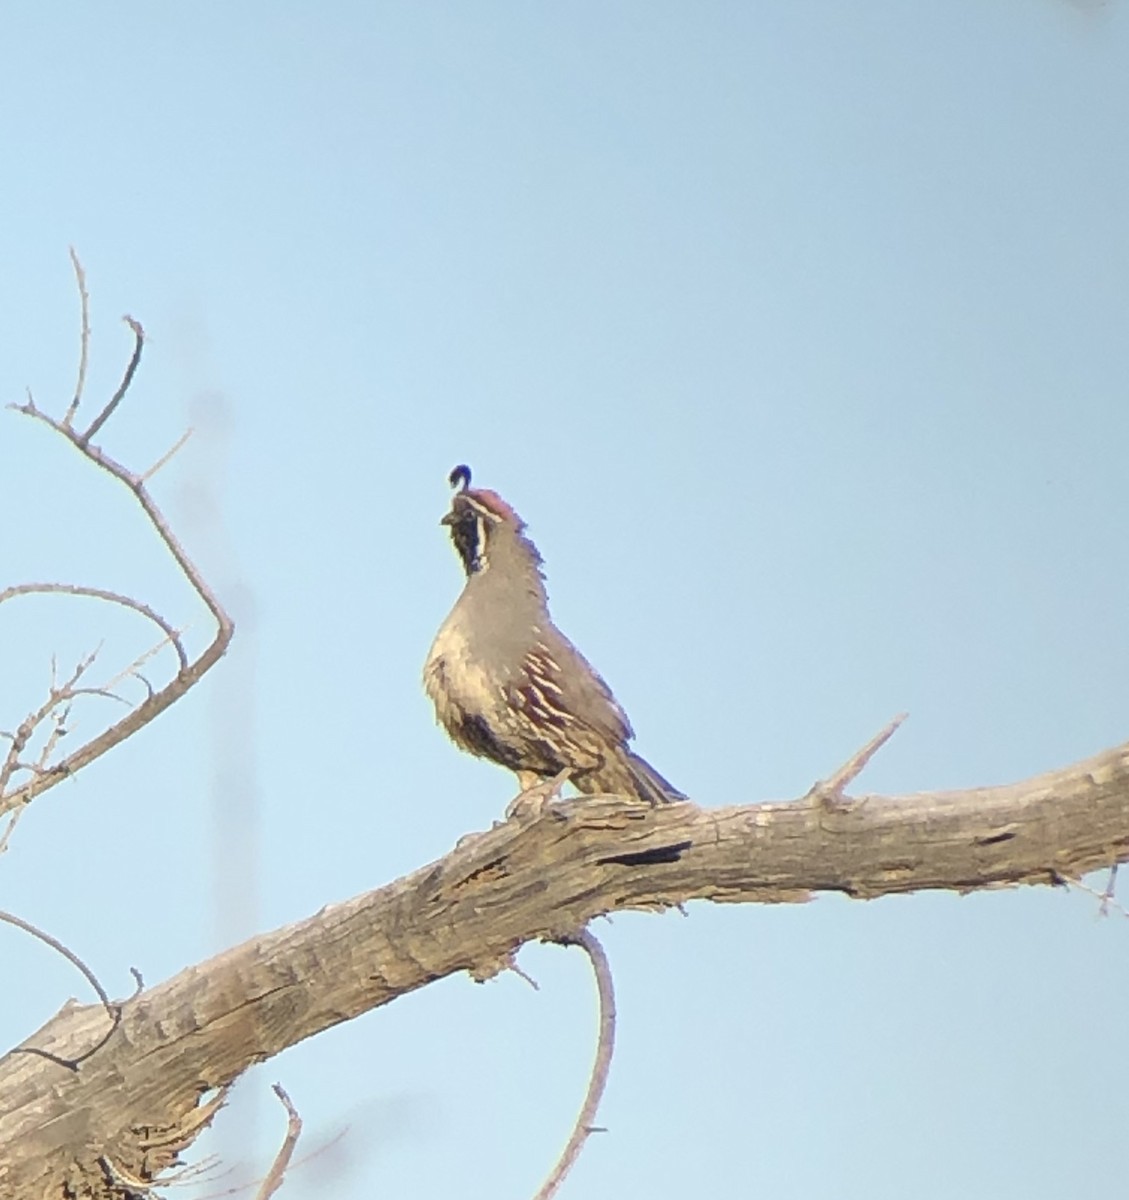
(130,1107)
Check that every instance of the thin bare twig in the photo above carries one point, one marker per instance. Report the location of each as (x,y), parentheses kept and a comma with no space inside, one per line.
(13,821)
(525,975)
(84,343)
(1107,900)
(113,1010)
(277,1173)
(27,727)
(96,593)
(133,671)
(145,476)
(58,730)
(239,1188)
(102,693)
(830,791)
(1110,891)
(605,1046)
(40,771)
(123,387)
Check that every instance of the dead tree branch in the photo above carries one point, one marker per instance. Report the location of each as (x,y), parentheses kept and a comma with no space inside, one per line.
(605,1047)
(189,672)
(137,1103)
(113,1011)
(96,593)
(277,1172)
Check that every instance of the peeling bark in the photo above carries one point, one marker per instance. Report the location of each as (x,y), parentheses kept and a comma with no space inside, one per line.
(111,1127)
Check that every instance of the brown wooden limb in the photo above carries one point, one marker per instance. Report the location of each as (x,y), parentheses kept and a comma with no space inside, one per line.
(512,884)
(277,1173)
(605,1047)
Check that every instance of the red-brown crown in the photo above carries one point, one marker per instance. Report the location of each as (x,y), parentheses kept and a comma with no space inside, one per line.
(492,502)
(459,479)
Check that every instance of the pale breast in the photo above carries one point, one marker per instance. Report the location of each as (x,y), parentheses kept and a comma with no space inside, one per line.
(455,680)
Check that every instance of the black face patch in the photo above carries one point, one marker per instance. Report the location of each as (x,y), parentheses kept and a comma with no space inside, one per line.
(467,533)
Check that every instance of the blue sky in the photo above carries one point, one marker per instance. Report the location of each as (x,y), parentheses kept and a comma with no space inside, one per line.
(798,334)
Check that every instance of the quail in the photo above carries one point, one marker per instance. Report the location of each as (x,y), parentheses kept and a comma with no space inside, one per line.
(507,685)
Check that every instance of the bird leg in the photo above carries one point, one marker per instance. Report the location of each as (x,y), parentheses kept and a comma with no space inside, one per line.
(535,794)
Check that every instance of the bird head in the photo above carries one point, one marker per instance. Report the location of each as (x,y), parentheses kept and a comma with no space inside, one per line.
(483,526)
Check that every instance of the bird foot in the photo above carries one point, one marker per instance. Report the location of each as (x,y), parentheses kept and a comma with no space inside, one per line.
(531,802)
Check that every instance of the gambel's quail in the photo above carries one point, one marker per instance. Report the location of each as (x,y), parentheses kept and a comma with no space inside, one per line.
(507,684)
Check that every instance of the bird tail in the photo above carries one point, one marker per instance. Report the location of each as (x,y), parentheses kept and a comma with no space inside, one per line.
(648,784)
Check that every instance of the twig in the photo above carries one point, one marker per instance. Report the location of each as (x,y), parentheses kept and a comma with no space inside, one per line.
(830,791)
(13,821)
(19,740)
(239,1188)
(1107,901)
(58,730)
(524,975)
(277,1173)
(133,670)
(123,387)
(77,589)
(190,671)
(1110,891)
(145,476)
(84,343)
(605,1045)
(112,1010)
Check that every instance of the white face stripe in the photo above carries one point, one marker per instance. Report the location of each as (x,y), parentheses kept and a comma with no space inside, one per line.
(480,550)
(480,508)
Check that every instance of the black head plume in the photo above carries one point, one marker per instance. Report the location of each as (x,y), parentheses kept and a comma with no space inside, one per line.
(459,477)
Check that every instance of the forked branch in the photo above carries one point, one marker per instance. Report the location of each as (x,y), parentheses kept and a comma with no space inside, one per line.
(44,775)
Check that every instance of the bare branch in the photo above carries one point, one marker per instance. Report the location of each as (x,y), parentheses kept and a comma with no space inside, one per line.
(190,671)
(58,729)
(156,517)
(1110,891)
(123,387)
(1107,901)
(113,1011)
(76,589)
(145,476)
(19,740)
(518,882)
(277,1173)
(831,791)
(84,342)
(605,1046)
(13,821)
